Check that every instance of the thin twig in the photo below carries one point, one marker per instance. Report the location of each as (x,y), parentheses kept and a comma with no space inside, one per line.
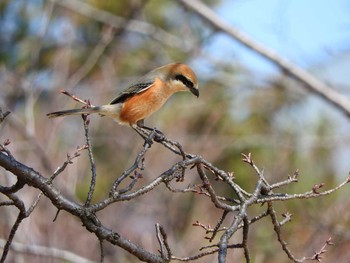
(277,228)
(34,204)
(7,203)
(136,164)
(306,195)
(101,251)
(84,102)
(165,251)
(291,179)
(3,115)
(196,257)
(69,160)
(21,215)
(210,189)
(217,227)
(92,162)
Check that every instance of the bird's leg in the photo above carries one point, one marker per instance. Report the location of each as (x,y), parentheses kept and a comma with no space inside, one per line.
(158,134)
(141,124)
(147,136)
(142,133)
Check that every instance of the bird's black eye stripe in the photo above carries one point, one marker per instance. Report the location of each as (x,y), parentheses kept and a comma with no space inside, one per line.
(184,80)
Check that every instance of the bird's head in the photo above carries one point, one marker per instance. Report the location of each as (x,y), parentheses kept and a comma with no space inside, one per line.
(181,78)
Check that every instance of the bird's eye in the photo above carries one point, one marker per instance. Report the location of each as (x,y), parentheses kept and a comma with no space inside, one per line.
(184,80)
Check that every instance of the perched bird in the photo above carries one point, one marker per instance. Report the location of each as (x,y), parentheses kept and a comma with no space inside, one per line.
(145,96)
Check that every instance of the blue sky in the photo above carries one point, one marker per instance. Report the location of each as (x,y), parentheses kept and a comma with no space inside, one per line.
(307,32)
(314,34)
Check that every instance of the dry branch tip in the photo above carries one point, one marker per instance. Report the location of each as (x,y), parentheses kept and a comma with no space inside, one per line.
(247,158)
(316,187)
(348,179)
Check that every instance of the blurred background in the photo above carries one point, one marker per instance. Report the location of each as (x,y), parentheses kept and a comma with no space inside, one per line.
(94,49)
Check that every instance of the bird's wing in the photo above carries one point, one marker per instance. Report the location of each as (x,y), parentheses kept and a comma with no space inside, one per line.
(139,86)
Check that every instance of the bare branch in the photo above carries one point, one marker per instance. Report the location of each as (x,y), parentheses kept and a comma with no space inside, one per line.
(239,207)
(89,220)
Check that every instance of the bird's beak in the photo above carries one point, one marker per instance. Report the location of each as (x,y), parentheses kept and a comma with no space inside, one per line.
(195,91)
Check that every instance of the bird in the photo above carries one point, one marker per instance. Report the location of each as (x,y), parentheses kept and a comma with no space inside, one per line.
(143,97)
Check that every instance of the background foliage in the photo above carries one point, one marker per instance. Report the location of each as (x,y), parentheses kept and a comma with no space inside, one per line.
(47,46)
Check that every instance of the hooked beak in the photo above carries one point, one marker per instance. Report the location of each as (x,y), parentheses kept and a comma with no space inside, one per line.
(195,91)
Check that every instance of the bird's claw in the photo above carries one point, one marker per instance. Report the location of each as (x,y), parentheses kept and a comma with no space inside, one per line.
(158,136)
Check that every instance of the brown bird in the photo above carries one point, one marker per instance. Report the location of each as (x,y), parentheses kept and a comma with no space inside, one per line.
(145,96)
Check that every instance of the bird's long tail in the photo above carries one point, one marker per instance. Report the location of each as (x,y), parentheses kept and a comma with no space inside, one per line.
(96,109)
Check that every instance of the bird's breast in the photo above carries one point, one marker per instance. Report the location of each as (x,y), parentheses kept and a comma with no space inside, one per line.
(143,104)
